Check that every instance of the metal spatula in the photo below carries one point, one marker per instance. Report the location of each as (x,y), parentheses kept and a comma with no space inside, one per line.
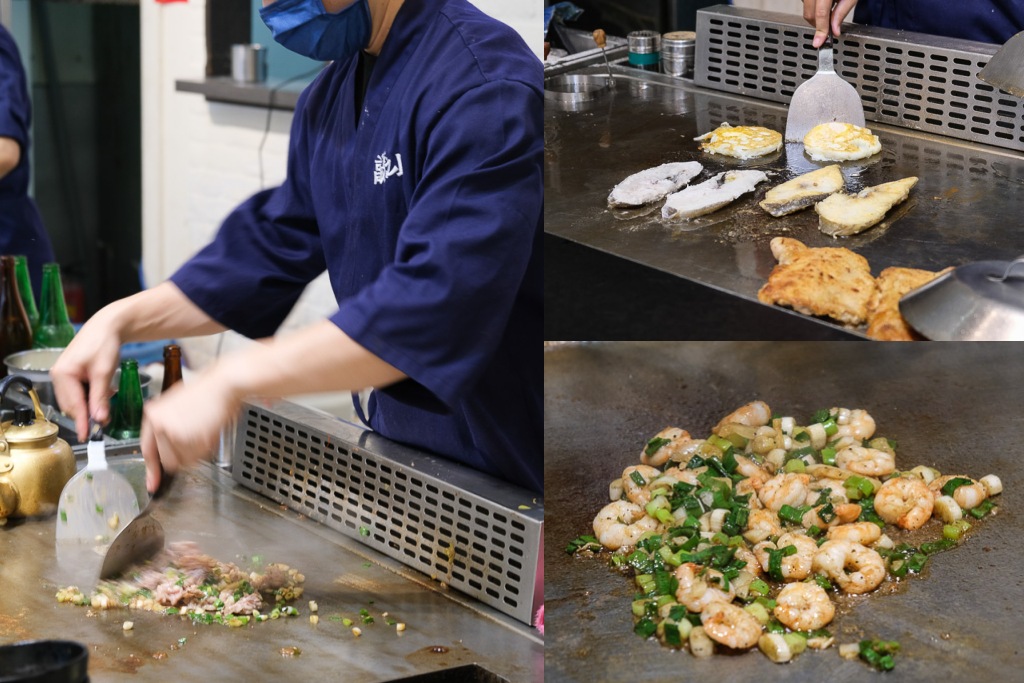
(823,98)
(1004,69)
(141,539)
(97,502)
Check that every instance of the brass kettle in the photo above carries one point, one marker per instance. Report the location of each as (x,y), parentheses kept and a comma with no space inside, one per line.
(35,463)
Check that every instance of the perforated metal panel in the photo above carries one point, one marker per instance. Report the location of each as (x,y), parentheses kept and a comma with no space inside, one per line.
(454,524)
(906,79)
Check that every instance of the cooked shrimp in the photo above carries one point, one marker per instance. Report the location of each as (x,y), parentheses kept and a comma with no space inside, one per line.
(785,489)
(685,449)
(761,524)
(751,470)
(699,587)
(668,438)
(794,567)
(967,496)
(864,533)
(904,501)
(869,461)
(745,554)
(843,513)
(639,493)
(748,486)
(730,625)
(855,423)
(622,523)
(867,568)
(753,414)
(674,475)
(804,606)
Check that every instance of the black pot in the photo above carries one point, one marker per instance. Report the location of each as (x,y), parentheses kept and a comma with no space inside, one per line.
(44,661)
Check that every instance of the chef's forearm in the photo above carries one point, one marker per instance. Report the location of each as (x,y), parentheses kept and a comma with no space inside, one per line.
(160,312)
(318,358)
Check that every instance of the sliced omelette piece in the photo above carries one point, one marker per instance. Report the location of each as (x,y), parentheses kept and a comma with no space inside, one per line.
(827,281)
(849,214)
(742,142)
(652,184)
(803,191)
(836,141)
(884,320)
(711,195)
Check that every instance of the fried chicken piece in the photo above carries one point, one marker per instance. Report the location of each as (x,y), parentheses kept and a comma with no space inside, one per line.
(827,281)
(884,320)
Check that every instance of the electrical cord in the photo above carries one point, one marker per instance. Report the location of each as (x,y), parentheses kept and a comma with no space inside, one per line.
(270,110)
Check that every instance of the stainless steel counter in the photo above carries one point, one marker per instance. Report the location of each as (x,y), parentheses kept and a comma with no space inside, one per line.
(967,206)
(343,576)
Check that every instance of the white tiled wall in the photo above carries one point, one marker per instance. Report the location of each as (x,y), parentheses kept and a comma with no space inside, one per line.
(200,159)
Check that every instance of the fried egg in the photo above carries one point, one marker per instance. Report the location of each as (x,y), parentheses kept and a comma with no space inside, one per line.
(836,141)
(742,142)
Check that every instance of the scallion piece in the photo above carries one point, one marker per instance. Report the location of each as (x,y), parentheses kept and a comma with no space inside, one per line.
(933,547)
(983,509)
(637,478)
(955,483)
(828,456)
(796,466)
(585,542)
(672,636)
(654,445)
(760,587)
(645,628)
(820,416)
(788,513)
(830,427)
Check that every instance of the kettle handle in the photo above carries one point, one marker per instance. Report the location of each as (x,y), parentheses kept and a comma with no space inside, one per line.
(26,384)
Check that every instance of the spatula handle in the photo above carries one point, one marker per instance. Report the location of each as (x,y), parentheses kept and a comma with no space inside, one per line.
(826,56)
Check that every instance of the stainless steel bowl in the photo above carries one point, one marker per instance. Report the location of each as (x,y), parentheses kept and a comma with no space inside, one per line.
(574,88)
(35,365)
(981,301)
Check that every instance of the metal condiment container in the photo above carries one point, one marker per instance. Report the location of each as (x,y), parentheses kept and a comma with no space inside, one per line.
(644,49)
(677,50)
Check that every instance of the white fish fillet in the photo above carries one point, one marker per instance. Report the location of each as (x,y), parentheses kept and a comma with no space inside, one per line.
(711,195)
(653,184)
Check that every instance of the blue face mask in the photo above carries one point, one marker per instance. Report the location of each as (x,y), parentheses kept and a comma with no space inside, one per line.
(305,27)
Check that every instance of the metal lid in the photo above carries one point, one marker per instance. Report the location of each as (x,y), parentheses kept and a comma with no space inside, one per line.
(26,428)
(981,301)
(644,42)
(678,38)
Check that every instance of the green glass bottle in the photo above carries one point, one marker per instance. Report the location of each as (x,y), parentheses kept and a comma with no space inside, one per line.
(15,333)
(127,418)
(28,297)
(55,329)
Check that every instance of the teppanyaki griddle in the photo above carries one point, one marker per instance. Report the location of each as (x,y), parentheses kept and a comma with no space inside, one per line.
(953,406)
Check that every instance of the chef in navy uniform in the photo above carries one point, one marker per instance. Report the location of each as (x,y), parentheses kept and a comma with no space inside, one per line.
(21,227)
(414,178)
(989,21)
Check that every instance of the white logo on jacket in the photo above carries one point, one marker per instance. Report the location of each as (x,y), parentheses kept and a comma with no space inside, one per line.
(383,168)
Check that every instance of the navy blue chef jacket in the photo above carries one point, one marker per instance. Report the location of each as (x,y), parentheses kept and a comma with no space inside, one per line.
(21,227)
(990,21)
(427,213)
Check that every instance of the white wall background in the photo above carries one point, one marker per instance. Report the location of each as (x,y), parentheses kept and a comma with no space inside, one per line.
(201,158)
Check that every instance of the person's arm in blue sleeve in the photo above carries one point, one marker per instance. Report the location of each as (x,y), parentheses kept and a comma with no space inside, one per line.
(13,115)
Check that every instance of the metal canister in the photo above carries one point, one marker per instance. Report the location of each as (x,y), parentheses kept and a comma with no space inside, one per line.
(677,50)
(644,49)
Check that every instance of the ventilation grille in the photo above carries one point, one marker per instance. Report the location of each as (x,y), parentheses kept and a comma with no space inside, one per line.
(470,534)
(904,79)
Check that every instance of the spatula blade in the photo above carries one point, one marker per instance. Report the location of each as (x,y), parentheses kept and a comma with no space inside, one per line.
(825,97)
(94,506)
(1004,71)
(139,541)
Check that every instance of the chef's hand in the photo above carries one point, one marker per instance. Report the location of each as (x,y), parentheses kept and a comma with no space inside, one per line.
(821,13)
(89,360)
(183,425)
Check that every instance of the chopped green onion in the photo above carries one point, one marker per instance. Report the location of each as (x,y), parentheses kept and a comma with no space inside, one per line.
(654,445)
(823,581)
(795,466)
(820,416)
(760,587)
(788,513)
(828,456)
(585,542)
(830,427)
(63,515)
(858,487)
(672,636)
(933,547)
(955,483)
(645,628)
(879,653)
(983,509)
(637,478)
